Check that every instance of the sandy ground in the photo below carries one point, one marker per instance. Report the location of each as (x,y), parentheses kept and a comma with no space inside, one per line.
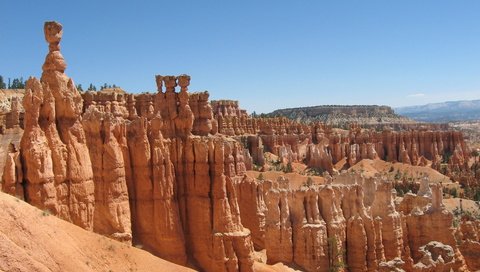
(279,267)
(371,167)
(33,240)
(467,205)
(296,180)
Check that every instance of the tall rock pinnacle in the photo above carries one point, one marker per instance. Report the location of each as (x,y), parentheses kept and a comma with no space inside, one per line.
(58,168)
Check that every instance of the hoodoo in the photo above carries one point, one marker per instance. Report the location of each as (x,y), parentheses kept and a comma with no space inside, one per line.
(57,168)
(205,185)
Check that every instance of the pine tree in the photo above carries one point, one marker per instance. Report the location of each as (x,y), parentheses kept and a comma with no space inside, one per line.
(79,88)
(91,87)
(2,84)
(21,84)
(288,168)
(17,83)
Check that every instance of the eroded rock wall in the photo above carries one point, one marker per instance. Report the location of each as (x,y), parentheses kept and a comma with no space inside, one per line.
(130,168)
(337,226)
(160,170)
(57,168)
(323,147)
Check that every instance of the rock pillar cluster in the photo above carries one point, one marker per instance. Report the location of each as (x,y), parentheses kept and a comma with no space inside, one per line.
(168,171)
(57,168)
(337,226)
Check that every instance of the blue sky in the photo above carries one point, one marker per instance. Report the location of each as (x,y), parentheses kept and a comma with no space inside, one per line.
(267,54)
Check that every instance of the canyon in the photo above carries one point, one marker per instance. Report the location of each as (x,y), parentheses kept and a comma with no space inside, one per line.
(204,185)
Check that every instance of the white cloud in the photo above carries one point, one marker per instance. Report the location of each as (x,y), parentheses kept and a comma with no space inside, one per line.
(416,95)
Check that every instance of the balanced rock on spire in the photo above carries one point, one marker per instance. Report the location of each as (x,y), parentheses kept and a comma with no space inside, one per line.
(58,171)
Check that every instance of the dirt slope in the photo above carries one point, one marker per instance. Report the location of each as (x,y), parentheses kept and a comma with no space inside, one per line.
(34,240)
(371,167)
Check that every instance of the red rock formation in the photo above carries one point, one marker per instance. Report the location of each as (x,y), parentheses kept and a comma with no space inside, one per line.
(227,108)
(468,234)
(433,223)
(186,179)
(156,221)
(314,226)
(12,174)
(361,252)
(14,118)
(104,132)
(280,134)
(311,243)
(318,157)
(58,171)
(435,257)
(169,186)
(203,173)
(152,168)
(231,119)
(11,109)
(278,228)
(252,209)
(384,207)
(107,100)
(202,112)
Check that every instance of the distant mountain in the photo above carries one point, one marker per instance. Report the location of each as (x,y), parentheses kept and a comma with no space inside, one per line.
(343,115)
(443,112)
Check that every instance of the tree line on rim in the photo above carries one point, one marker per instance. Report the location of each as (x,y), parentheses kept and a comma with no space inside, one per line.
(19,83)
(16,83)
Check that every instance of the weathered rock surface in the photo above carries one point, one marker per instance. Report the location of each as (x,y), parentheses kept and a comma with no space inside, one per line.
(168,171)
(435,256)
(433,223)
(324,227)
(104,135)
(130,168)
(323,147)
(12,173)
(469,234)
(57,168)
(11,109)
